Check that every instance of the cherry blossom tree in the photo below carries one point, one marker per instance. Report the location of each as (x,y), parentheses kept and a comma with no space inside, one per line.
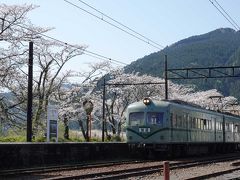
(49,59)
(15,30)
(70,99)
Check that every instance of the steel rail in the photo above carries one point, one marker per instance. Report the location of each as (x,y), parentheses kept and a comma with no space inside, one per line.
(216,174)
(132,172)
(24,171)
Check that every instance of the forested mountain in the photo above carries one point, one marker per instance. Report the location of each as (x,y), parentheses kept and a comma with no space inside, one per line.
(220,47)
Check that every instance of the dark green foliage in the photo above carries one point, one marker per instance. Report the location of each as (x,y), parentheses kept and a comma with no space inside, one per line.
(217,48)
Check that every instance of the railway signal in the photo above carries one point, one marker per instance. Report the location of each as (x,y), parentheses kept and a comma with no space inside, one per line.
(88,107)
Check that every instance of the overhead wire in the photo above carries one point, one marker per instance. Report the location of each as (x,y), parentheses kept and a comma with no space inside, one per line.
(225,14)
(86,52)
(146,40)
(121,24)
(109,59)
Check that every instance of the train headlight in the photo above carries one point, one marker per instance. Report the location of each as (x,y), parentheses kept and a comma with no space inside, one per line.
(146,101)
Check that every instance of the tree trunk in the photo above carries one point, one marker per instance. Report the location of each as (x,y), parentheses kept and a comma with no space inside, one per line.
(37,124)
(82,129)
(66,129)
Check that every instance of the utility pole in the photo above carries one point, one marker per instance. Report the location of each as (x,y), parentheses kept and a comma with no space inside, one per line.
(30,84)
(103,109)
(166,78)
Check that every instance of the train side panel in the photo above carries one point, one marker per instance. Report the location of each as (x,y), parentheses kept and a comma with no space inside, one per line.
(194,125)
(172,127)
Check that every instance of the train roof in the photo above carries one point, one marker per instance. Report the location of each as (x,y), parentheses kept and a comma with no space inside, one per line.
(140,105)
(178,102)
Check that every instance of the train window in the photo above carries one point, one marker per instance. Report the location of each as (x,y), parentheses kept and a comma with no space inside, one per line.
(209,122)
(199,123)
(227,127)
(174,120)
(190,122)
(194,123)
(236,128)
(185,116)
(231,127)
(202,124)
(205,124)
(219,126)
(179,121)
(155,118)
(136,118)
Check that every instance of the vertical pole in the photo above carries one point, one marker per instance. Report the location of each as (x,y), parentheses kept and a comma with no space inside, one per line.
(103,110)
(166,170)
(29,103)
(223,129)
(1,126)
(166,78)
(87,127)
(90,127)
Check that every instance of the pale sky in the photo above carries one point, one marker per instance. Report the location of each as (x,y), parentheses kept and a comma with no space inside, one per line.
(163,21)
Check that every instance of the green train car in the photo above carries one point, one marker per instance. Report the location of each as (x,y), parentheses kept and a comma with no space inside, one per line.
(177,127)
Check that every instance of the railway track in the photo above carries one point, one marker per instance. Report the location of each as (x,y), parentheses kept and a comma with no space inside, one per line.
(127,173)
(217,174)
(230,173)
(68,167)
(91,171)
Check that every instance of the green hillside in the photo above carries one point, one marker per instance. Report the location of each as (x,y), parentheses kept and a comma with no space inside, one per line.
(217,48)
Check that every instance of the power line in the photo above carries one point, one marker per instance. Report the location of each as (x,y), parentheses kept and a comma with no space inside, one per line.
(121,24)
(97,57)
(143,39)
(225,14)
(104,57)
(89,53)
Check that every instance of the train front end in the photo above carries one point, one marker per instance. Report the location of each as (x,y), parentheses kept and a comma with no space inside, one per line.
(148,124)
